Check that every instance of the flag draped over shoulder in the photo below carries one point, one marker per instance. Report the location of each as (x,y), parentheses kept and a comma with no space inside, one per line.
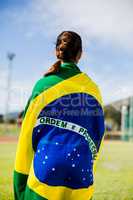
(60,138)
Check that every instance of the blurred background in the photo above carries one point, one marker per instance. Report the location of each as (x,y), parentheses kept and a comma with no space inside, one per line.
(28,31)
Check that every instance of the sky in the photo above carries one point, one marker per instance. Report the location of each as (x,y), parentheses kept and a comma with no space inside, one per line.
(29,29)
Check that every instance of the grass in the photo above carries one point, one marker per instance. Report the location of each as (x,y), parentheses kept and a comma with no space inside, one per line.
(7,154)
(114,175)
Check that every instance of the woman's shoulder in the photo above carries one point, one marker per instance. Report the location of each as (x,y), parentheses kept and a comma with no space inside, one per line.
(90,81)
(39,86)
(44,83)
(93,87)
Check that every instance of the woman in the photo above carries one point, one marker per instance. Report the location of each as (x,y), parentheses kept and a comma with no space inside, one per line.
(62,130)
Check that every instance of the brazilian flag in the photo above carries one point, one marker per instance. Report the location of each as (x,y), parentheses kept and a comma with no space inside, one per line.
(60,138)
